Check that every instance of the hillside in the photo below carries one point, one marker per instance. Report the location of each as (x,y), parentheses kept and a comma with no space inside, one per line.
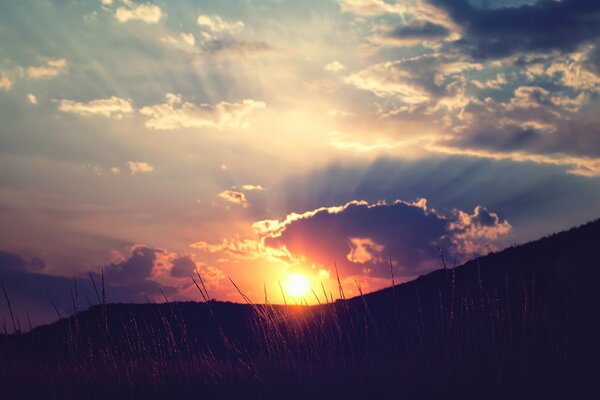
(521,323)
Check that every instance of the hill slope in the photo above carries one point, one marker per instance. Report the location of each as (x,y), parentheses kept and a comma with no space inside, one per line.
(522,323)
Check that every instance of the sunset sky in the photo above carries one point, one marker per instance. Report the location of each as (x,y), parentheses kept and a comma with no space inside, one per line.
(275,138)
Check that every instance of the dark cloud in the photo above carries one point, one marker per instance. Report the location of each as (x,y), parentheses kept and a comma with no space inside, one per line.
(33,292)
(138,266)
(535,121)
(593,61)
(544,26)
(12,262)
(182,267)
(362,237)
(419,30)
(450,182)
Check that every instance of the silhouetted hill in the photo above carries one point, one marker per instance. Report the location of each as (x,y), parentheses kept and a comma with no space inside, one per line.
(521,323)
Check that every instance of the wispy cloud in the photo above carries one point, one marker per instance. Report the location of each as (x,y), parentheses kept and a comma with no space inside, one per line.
(138,167)
(583,166)
(112,107)
(334,66)
(370,8)
(49,69)
(145,12)
(176,113)
(215,23)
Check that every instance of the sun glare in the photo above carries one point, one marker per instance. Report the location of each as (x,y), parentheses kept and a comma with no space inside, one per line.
(297,285)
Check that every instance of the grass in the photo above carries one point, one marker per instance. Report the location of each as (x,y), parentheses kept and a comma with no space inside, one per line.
(520,324)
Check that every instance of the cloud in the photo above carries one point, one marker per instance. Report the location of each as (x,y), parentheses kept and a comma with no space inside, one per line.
(496,83)
(250,188)
(415,32)
(534,125)
(582,166)
(370,8)
(176,113)
(50,69)
(188,38)
(362,237)
(229,47)
(31,289)
(334,66)
(112,107)
(145,12)
(548,121)
(5,82)
(387,79)
(139,266)
(137,167)
(475,233)
(235,197)
(183,267)
(577,70)
(216,40)
(364,250)
(185,42)
(429,80)
(215,23)
(544,26)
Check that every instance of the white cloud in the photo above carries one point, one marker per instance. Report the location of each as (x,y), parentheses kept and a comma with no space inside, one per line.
(176,113)
(188,38)
(334,66)
(113,107)
(146,12)
(136,167)
(251,188)
(32,99)
(215,23)
(50,69)
(386,79)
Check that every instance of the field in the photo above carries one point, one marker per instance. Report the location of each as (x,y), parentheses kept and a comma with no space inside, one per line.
(522,323)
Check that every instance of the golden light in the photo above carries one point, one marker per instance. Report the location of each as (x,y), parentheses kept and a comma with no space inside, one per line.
(297,285)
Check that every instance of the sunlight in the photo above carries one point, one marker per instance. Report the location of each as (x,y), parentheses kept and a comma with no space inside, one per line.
(297,285)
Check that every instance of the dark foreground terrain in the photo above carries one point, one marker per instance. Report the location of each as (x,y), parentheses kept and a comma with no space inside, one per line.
(520,324)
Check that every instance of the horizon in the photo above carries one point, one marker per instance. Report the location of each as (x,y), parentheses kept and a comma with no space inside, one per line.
(280,144)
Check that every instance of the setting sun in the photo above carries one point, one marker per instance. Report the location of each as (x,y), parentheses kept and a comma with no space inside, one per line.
(297,285)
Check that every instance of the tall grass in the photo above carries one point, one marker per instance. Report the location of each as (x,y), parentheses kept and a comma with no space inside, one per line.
(507,327)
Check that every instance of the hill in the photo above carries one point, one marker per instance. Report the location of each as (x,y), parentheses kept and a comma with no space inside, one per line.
(521,323)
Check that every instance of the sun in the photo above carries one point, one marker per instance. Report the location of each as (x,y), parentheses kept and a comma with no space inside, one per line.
(297,285)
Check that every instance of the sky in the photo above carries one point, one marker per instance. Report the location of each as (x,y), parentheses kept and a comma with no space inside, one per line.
(260,140)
